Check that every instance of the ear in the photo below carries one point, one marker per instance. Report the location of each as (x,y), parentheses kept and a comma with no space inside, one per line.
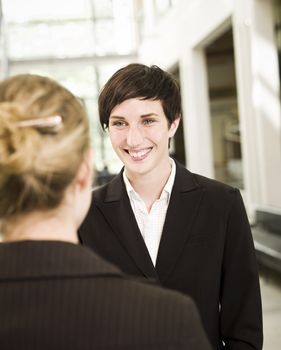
(84,177)
(174,127)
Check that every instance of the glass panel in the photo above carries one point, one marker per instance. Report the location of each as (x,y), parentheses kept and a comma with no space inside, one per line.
(123,8)
(115,37)
(125,36)
(96,132)
(113,163)
(103,8)
(80,78)
(104,156)
(57,40)
(40,29)
(162,6)
(104,34)
(21,11)
(107,70)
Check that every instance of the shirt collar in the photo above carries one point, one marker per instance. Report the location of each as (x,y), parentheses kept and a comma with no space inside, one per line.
(169,184)
(167,188)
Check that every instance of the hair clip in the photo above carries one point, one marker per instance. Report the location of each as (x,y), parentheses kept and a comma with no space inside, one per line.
(53,123)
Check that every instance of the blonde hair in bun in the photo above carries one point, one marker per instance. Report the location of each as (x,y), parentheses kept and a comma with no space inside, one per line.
(15,143)
(44,134)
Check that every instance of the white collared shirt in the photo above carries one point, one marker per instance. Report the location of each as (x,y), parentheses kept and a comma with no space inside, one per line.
(151,224)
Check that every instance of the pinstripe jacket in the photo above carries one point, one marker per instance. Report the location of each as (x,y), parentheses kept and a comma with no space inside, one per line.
(57,295)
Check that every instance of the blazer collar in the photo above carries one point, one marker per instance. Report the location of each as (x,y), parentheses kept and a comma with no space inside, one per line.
(183,207)
(117,211)
(115,188)
(43,259)
(185,181)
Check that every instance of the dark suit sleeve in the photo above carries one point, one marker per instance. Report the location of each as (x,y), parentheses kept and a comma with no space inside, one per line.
(193,335)
(241,314)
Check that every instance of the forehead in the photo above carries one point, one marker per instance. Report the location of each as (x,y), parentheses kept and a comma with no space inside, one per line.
(137,107)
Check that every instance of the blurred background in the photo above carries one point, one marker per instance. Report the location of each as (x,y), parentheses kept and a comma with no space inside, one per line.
(226,56)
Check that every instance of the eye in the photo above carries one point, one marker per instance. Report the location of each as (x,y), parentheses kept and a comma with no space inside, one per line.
(118,123)
(148,121)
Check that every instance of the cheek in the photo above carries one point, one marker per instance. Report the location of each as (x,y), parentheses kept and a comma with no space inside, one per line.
(158,136)
(117,138)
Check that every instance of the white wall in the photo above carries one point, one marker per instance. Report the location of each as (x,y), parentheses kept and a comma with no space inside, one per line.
(186,25)
(180,38)
(258,87)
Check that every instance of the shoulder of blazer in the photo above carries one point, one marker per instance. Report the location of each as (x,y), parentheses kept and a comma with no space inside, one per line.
(110,192)
(186,180)
(51,259)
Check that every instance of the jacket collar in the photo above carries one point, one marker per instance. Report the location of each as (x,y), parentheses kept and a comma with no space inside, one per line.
(184,204)
(182,212)
(185,181)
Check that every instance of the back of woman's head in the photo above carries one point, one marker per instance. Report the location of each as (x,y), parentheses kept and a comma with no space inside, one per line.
(44,134)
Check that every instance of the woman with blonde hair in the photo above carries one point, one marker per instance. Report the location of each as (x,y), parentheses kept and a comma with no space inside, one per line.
(55,294)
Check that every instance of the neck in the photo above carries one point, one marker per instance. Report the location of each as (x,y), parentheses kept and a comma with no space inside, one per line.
(41,225)
(150,186)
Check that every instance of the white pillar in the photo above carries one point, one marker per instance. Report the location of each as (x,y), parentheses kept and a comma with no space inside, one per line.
(242,27)
(266,101)
(259,102)
(196,112)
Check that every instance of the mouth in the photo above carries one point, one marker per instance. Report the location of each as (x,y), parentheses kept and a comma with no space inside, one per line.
(138,155)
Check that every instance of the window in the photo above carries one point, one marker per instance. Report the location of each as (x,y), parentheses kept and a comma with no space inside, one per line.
(80,43)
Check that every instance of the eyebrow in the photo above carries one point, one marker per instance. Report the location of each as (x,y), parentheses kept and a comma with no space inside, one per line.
(142,116)
(149,115)
(116,117)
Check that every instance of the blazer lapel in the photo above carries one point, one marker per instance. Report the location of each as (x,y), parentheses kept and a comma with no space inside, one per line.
(183,207)
(117,210)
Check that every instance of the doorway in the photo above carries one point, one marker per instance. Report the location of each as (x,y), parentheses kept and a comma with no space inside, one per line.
(177,147)
(224,114)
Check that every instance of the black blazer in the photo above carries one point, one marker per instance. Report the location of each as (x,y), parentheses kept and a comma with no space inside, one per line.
(206,251)
(61,296)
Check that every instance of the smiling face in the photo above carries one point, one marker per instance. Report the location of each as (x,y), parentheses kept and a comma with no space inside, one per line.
(139,133)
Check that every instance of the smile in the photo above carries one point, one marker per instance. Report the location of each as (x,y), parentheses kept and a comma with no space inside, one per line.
(138,155)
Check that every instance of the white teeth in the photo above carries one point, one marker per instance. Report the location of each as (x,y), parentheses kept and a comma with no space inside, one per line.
(138,154)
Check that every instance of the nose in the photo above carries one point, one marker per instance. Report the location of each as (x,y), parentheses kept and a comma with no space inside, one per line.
(134,136)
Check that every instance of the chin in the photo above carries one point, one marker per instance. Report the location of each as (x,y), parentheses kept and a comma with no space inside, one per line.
(139,170)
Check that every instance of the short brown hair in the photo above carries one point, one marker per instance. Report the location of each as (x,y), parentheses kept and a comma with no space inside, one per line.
(139,81)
